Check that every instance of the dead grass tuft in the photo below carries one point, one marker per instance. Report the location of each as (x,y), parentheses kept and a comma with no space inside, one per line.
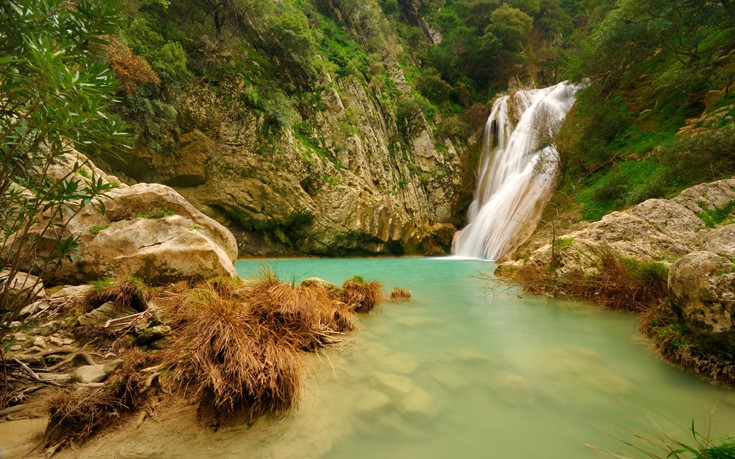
(361,296)
(400,294)
(306,317)
(231,360)
(129,293)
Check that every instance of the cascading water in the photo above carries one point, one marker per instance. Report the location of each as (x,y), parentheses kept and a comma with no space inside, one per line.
(517,171)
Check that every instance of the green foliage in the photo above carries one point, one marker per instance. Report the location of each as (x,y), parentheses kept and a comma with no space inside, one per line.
(56,95)
(280,114)
(409,111)
(718,216)
(650,66)
(96,229)
(156,214)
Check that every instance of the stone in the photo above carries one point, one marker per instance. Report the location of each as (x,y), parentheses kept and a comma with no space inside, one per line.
(319,283)
(24,288)
(373,401)
(72,292)
(720,240)
(152,334)
(56,341)
(98,317)
(702,294)
(419,403)
(400,385)
(399,363)
(16,347)
(88,374)
(33,308)
(20,337)
(40,342)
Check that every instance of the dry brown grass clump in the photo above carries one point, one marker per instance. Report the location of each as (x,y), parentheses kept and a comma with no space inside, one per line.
(128,293)
(361,296)
(230,359)
(306,317)
(400,294)
(75,416)
(621,283)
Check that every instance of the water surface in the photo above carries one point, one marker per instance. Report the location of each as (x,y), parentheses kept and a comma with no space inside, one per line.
(470,369)
(464,370)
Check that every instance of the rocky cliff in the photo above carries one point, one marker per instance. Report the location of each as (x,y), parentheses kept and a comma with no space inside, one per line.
(352,175)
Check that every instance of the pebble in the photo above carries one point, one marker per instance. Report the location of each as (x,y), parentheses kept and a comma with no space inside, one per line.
(39,341)
(16,347)
(21,337)
(56,341)
(94,373)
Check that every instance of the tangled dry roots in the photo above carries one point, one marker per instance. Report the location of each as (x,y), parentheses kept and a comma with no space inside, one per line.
(75,416)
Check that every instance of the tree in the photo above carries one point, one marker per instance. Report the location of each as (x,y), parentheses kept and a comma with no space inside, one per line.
(512,28)
(56,90)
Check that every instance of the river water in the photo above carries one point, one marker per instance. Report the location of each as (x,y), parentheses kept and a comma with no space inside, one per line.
(469,369)
(466,369)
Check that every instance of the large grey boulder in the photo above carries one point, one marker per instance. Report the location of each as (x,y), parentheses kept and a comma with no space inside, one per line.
(151,232)
(702,293)
(148,231)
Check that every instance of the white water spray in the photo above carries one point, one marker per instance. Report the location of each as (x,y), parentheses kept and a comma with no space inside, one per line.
(517,171)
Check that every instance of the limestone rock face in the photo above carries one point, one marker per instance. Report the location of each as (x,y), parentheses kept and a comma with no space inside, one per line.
(343,182)
(655,230)
(702,292)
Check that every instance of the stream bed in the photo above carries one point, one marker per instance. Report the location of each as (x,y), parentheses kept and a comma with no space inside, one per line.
(467,369)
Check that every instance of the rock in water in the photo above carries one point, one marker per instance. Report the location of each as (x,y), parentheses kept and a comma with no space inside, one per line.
(702,291)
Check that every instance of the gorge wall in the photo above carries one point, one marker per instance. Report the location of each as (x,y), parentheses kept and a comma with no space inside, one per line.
(358,170)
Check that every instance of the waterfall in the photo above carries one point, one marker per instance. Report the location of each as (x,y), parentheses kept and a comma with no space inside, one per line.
(517,171)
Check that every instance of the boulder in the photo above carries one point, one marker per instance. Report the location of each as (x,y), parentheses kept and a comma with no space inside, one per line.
(702,293)
(320,283)
(151,232)
(24,288)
